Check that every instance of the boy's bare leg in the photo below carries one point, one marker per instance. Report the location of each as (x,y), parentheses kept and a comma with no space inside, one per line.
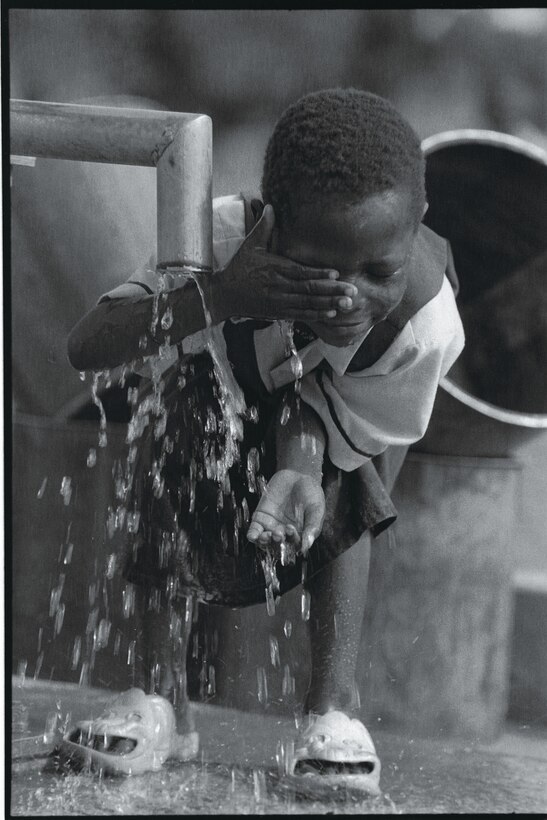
(166,633)
(338,595)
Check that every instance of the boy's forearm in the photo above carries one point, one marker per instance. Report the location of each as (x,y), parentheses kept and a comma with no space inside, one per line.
(118,331)
(300,443)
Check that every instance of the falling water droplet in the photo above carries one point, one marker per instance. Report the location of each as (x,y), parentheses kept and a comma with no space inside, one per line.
(55,596)
(167,319)
(270,600)
(211,681)
(41,491)
(117,642)
(101,634)
(128,600)
(59,618)
(84,674)
(143,342)
(66,489)
(82,375)
(305,605)
(76,651)
(38,667)
(296,366)
(131,653)
(262,685)
(91,457)
(111,565)
(274,652)
(68,554)
(287,628)
(287,553)
(285,415)
(288,685)
(103,440)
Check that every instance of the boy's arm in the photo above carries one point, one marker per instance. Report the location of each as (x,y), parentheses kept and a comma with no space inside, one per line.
(292,506)
(300,442)
(254,284)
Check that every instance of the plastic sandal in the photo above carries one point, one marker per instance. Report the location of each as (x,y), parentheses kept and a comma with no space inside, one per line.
(135,734)
(335,750)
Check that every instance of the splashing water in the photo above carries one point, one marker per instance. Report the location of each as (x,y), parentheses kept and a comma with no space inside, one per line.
(284,756)
(103,441)
(232,400)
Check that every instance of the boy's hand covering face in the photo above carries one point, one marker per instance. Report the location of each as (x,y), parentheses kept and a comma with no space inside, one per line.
(369,242)
(291,509)
(262,285)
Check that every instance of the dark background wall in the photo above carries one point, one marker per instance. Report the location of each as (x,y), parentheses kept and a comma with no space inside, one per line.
(78,229)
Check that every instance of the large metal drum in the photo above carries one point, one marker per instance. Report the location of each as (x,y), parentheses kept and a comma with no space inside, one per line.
(439,611)
(488,195)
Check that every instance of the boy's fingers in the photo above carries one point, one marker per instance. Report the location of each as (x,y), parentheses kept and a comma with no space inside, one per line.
(318,287)
(292,534)
(302,273)
(302,301)
(255,529)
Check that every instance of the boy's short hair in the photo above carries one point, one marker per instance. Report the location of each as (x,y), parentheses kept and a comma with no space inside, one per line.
(343,143)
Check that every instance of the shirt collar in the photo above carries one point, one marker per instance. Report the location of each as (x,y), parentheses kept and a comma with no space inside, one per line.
(340,357)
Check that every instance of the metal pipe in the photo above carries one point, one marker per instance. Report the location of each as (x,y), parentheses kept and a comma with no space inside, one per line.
(184,196)
(178,144)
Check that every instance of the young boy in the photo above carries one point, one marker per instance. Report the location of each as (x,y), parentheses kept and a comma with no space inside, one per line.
(339,249)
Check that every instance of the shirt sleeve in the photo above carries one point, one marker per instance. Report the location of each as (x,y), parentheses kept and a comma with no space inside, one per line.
(143,281)
(228,234)
(390,402)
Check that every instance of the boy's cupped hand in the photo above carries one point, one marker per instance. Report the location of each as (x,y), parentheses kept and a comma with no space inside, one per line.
(292,508)
(259,284)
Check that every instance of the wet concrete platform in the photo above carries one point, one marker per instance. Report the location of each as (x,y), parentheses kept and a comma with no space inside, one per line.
(236,772)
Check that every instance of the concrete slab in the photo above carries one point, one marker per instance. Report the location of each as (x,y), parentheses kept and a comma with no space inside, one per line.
(236,772)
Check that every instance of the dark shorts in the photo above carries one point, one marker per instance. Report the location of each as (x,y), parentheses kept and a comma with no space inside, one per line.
(191,538)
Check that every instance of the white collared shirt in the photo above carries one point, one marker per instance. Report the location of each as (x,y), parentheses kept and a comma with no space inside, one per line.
(364,411)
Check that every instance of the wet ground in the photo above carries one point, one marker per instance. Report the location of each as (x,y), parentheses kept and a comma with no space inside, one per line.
(236,772)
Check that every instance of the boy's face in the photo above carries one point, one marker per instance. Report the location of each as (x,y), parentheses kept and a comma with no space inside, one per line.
(369,243)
